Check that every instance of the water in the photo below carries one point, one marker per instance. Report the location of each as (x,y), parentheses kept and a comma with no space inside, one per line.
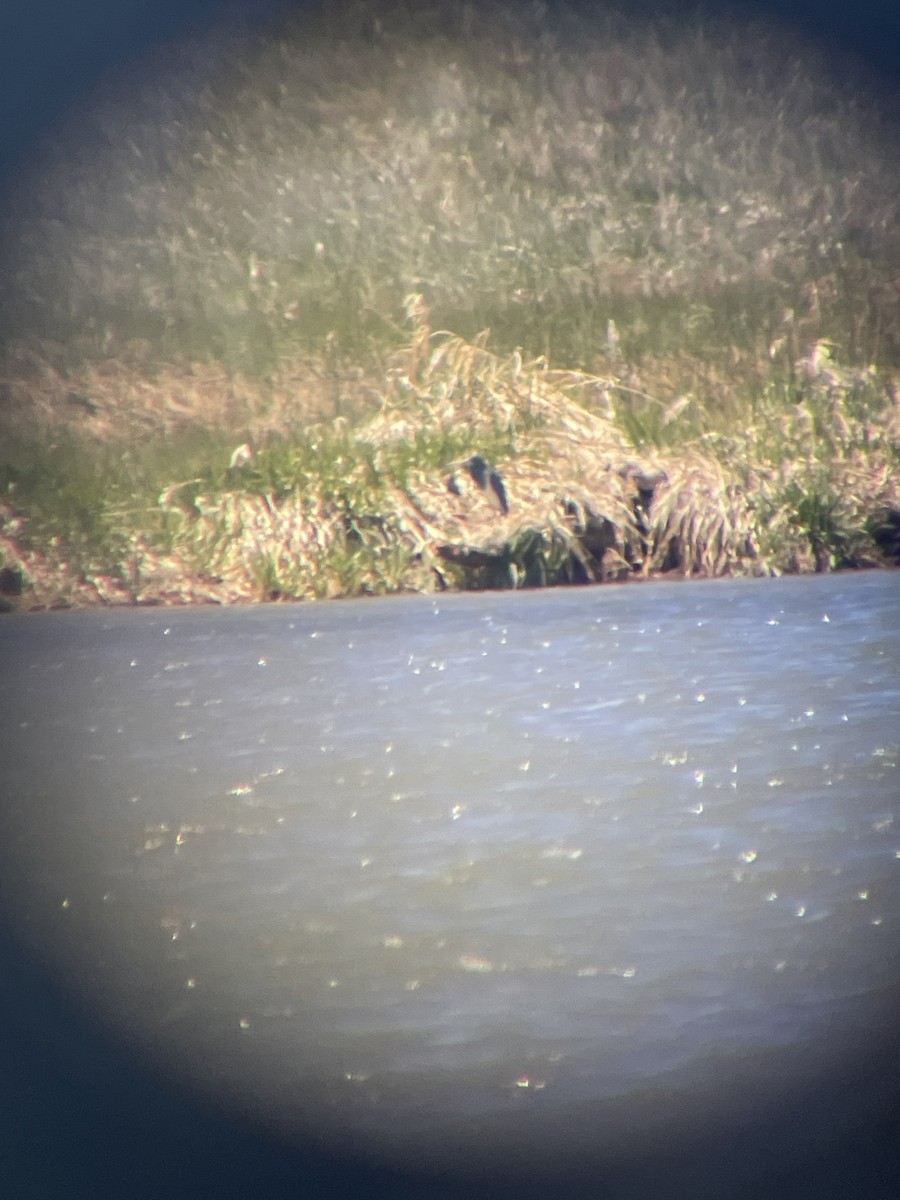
(503,879)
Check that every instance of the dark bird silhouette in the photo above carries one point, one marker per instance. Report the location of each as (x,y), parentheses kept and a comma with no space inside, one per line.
(489,481)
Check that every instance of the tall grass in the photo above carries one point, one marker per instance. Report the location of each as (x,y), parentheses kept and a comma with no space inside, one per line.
(683,237)
(388,504)
(713,189)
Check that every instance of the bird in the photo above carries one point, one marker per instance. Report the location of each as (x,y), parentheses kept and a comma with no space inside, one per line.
(488,480)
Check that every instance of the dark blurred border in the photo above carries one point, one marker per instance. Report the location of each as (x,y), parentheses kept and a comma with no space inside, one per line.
(79,1117)
(51,51)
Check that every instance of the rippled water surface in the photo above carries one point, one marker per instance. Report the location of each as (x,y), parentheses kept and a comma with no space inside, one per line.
(413,869)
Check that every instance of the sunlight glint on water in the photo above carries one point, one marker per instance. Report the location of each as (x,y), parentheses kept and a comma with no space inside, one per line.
(395,866)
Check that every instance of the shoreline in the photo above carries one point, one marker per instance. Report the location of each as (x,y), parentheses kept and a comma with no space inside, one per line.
(476,471)
(200,593)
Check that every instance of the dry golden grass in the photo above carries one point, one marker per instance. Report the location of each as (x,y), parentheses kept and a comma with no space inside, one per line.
(581,497)
(283,505)
(118,399)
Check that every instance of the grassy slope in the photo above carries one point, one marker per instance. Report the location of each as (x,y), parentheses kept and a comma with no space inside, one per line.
(702,219)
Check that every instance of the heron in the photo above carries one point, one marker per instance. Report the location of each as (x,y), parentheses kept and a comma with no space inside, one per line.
(488,480)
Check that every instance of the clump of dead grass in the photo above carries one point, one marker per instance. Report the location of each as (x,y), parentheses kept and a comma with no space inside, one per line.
(387,504)
(387,516)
